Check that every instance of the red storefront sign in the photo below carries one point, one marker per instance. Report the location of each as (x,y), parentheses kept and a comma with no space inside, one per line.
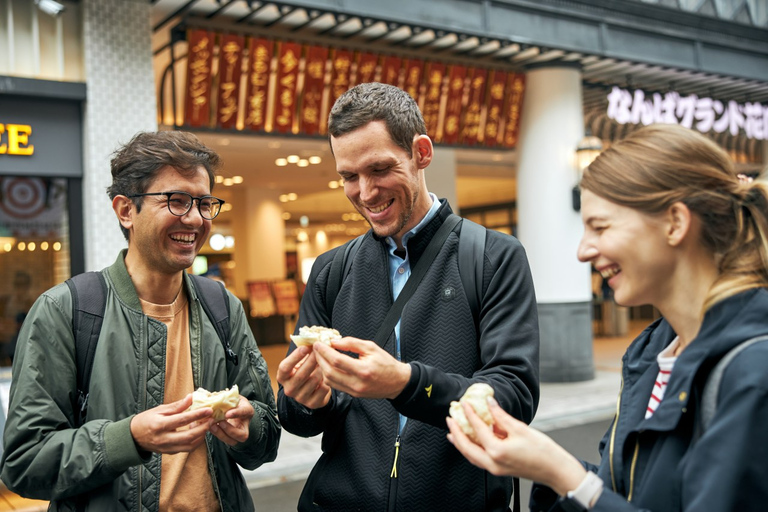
(452,119)
(413,72)
(260,59)
(495,109)
(432,96)
(199,66)
(285,91)
(341,66)
(230,71)
(366,67)
(390,71)
(515,89)
(470,131)
(312,97)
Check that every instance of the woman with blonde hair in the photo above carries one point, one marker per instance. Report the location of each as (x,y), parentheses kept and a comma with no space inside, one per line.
(668,222)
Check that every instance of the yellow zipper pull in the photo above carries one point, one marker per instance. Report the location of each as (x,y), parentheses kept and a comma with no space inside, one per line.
(393,474)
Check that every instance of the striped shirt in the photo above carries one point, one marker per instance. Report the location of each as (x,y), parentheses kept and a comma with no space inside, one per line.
(666,360)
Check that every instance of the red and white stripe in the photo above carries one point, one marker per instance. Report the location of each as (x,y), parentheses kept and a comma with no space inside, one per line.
(666,360)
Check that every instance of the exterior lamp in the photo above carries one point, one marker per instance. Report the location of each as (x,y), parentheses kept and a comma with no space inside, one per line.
(588,149)
(51,7)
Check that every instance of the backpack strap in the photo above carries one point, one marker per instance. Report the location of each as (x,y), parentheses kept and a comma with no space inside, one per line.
(89,300)
(471,259)
(213,298)
(711,392)
(342,262)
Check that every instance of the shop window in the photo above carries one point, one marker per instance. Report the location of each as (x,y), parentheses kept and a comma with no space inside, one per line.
(34,248)
(501,217)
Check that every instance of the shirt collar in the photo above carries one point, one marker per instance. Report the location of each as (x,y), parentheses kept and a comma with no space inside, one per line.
(429,216)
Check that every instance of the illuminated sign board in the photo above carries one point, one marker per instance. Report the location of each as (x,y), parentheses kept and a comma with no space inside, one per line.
(14,139)
(703,114)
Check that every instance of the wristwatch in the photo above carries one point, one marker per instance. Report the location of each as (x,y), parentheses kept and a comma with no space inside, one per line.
(583,498)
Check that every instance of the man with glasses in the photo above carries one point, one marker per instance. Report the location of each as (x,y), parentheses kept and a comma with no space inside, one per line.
(140,447)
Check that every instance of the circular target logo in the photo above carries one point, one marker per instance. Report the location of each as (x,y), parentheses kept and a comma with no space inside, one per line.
(23,198)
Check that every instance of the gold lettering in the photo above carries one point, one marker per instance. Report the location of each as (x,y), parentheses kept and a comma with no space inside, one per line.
(18,140)
(3,147)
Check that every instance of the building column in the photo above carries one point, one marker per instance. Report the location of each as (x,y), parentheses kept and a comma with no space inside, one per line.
(120,102)
(259,231)
(551,126)
(441,176)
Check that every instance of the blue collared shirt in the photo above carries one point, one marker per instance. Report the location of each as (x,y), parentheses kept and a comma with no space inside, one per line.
(400,269)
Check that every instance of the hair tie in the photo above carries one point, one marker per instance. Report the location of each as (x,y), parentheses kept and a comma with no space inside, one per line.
(743,178)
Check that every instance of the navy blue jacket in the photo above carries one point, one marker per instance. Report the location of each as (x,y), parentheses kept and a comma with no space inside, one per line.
(438,339)
(656,464)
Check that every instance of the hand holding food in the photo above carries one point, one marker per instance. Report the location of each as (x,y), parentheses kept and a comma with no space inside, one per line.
(308,336)
(219,401)
(477,396)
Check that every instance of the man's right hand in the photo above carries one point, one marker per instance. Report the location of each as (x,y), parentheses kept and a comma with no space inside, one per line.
(302,379)
(170,428)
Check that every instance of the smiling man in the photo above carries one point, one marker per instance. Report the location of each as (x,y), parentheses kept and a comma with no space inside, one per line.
(381,406)
(139,447)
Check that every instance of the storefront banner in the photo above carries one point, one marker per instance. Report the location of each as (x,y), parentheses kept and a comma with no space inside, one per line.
(456,83)
(260,51)
(413,73)
(390,71)
(432,96)
(230,70)
(470,131)
(287,79)
(703,114)
(199,77)
(495,108)
(366,67)
(514,93)
(33,207)
(260,299)
(312,97)
(341,74)
(286,297)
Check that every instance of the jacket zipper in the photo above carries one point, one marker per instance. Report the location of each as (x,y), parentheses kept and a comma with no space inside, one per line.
(145,360)
(613,433)
(632,468)
(393,474)
(393,477)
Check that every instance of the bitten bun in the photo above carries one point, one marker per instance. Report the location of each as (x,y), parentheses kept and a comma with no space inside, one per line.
(310,335)
(219,401)
(476,396)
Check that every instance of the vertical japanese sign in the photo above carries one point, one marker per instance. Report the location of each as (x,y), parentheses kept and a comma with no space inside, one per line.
(341,67)
(230,71)
(260,59)
(312,97)
(495,109)
(515,89)
(199,76)
(366,67)
(413,72)
(287,78)
(432,97)
(452,120)
(470,131)
(390,71)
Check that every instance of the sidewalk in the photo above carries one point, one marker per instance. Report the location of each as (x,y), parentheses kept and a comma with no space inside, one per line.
(561,405)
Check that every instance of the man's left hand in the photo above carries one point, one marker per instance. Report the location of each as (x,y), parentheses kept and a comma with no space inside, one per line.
(234,428)
(374,374)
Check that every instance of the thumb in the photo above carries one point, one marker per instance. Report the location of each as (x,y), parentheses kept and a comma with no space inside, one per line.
(349,344)
(180,405)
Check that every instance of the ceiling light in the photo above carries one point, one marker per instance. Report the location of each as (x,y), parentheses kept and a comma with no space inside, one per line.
(292,196)
(227,182)
(292,159)
(217,242)
(303,163)
(286,215)
(283,198)
(51,7)
(237,180)
(315,159)
(333,184)
(219,178)
(281,162)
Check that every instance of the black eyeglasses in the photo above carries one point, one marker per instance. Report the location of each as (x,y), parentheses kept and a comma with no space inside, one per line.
(179,203)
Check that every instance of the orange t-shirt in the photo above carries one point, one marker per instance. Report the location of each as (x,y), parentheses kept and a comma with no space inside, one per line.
(185,482)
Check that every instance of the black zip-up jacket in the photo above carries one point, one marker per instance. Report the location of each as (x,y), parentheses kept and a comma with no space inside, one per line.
(659,464)
(439,340)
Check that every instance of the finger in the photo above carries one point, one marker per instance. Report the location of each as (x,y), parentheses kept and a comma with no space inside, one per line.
(287,366)
(244,410)
(483,432)
(336,360)
(350,344)
(503,420)
(230,433)
(183,419)
(177,406)
(474,453)
(307,366)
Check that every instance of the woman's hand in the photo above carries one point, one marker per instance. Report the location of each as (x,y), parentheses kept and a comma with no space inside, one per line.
(512,448)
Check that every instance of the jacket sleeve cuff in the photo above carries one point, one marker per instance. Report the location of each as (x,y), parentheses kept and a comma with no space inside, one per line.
(410,389)
(120,448)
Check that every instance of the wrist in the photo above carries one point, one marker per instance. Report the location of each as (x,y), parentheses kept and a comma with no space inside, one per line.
(403,376)
(586,494)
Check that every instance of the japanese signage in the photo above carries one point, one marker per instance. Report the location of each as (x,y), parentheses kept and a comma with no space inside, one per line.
(289,87)
(703,114)
(14,139)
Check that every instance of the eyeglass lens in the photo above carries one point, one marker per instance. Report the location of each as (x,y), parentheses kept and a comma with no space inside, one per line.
(180,203)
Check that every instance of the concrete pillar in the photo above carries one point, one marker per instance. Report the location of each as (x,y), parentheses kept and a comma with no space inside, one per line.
(551,127)
(259,231)
(121,101)
(441,176)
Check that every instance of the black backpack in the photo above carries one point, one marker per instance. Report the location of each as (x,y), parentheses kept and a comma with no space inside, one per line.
(89,300)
